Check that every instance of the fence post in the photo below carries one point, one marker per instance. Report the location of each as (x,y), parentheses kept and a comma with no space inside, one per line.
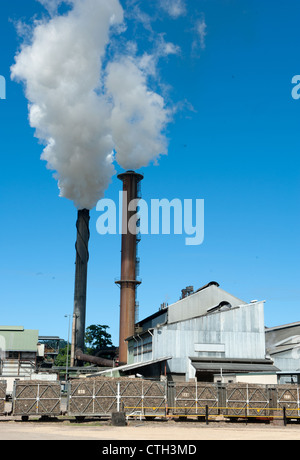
(221,398)
(284,416)
(118,397)
(206,414)
(171,389)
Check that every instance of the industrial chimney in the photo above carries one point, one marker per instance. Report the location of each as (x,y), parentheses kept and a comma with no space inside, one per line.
(82,258)
(128,282)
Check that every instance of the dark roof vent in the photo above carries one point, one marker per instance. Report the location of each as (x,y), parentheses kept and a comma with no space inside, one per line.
(189,290)
(223,306)
(212,283)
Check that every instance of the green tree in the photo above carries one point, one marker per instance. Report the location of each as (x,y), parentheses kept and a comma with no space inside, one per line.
(96,337)
(61,358)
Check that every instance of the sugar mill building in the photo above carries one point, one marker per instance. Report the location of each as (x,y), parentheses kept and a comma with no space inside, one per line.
(208,332)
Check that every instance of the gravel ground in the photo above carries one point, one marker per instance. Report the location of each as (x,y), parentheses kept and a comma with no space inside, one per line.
(65,429)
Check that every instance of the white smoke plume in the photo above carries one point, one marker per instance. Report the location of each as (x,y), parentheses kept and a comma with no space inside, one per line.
(87,104)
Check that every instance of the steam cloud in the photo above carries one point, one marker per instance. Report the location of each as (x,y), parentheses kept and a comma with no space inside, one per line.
(87,103)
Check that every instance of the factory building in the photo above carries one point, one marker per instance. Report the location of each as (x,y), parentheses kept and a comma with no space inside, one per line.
(19,351)
(207,333)
(21,354)
(283,347)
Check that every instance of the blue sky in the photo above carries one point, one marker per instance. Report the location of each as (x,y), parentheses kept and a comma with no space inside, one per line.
(234,142)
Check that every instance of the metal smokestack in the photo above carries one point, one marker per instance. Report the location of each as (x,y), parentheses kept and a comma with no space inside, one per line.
(82,258)
(128,282)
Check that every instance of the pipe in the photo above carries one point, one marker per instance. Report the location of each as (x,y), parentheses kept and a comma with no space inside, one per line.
(73,341)
(82,258)
(80,356)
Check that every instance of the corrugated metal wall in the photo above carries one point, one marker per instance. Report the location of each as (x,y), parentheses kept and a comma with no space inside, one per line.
(12,367)
(239,332)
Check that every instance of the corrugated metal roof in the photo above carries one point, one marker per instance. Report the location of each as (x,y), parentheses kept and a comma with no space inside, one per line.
(283,348)
(284,326)
(200,302)
(129,367)
(212,283)
(49,337)
(19,339)
(234,366)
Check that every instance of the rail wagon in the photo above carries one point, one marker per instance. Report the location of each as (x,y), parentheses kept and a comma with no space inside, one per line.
(144,397)
(92,398)
(36,398)
(247,400)
(191,399)
(288,397)
(100,397)
(2,397)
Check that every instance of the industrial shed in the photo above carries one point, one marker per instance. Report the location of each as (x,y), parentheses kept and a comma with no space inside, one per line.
(283,347)
(207,332)
(19,351)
